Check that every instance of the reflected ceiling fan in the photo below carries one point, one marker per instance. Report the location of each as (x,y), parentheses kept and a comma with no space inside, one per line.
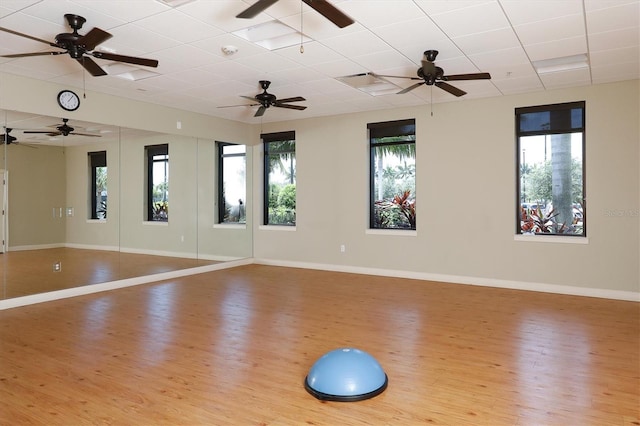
(266,100)
(323,7)
(62,130)
(432,75)
(81,47)
(7,139)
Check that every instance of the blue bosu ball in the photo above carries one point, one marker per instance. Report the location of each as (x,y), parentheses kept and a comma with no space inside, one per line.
(346,374)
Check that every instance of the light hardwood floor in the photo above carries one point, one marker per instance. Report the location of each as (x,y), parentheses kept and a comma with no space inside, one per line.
(233,347)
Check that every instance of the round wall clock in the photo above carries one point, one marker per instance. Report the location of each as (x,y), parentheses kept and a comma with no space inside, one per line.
(68,100)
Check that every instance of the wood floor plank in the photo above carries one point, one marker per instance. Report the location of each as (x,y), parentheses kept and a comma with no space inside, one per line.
(234,346)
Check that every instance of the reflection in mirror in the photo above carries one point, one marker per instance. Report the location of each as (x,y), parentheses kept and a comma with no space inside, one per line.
(81,199)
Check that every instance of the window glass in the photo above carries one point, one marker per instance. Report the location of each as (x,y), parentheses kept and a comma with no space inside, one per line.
(393,175)
(550,168)
(98,185)
(279,178)
(157,182)
(231,183)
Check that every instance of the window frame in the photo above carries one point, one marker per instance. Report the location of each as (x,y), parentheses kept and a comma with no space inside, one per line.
(96,159)
(221,190)
(268,138)
(150,152)
(553,130)
(394,128)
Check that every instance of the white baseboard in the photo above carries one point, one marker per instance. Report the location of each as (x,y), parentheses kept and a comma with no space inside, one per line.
(91,247)
(35,247)
(457,279)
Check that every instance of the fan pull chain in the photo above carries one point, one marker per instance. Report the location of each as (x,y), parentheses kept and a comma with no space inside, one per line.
(301,32)
(84,80)
(431,102)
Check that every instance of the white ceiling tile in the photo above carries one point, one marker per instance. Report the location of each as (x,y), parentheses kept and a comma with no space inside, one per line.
(124,10)
(523,12)
(557,48)
(566,78)
(487,41)
(434,7)
(382,60)
(373,14)
(550,30)
(389,37)
(608,73)
(355,44)
(314,53)
(267,62)
(611,39)
(465,21)
(613,18)
(177,25)
(339,68)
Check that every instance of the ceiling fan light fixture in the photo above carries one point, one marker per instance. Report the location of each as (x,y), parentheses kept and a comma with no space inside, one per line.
(564,63)
(272,35)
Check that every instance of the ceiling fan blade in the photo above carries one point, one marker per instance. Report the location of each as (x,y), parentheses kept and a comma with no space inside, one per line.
(24,55)
(85,134)
(473,76)
(7,30)
(298,107)
(451,89)
(249,97)
(410,88)
(330,12)
(287,100)
(91,66)
(255,9)
(395,76)
(93,38)
(240,105)
(43,132)
(127,59)
(260,111)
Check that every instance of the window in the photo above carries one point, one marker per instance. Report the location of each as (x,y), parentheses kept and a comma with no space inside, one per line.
(550,169)
(232,188)
(392,148)
(98,185)
(157,167)
(279,178)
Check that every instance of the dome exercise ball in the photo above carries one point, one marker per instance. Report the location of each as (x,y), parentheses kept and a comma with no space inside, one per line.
(346,374)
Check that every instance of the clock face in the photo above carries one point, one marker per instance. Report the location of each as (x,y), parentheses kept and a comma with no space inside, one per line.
(68,100)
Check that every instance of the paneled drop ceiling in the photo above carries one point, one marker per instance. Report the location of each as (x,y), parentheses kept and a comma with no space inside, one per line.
(189,38)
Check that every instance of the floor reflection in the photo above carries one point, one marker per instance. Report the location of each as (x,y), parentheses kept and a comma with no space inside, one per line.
(38,271)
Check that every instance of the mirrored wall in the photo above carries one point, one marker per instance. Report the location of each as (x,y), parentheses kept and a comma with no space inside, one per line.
(79,209)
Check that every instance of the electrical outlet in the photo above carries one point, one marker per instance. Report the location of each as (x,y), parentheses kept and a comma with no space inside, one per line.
(343,248)
(57,266)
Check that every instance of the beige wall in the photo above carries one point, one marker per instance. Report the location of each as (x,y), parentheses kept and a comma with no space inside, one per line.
(465,188)
(36,194)
(466,196)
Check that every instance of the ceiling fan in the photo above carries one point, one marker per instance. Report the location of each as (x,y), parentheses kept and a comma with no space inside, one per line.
(323,7)
(266,100)
(7,139)
(81,47)
(432,75)
(62,130)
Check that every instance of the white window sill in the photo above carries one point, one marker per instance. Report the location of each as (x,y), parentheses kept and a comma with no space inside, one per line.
(230,226)
(96,220)
(276,228)
(155,223)
(536,238)
(394,232)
